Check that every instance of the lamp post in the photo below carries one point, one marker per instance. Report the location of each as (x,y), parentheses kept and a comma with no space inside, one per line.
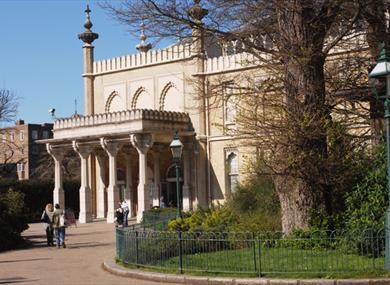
(382,70)
(177,147)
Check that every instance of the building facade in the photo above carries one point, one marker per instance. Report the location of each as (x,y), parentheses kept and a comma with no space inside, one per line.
(20,151)
(133,106)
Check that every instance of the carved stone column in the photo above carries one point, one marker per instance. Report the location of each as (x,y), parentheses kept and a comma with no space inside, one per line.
(128,195)
(58,191)
(142,142)
(187,199)
(85,192)
(157,177)
(112,148)
(101,185)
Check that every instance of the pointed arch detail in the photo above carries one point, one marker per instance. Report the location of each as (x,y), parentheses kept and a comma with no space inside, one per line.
(164,92)
(136,96)
(109,101)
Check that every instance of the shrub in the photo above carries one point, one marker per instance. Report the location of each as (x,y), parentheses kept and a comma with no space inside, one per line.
(216,219)
(367,203)
(256,206)
(13,219)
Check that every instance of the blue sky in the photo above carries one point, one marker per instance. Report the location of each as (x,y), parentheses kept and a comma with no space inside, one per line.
(41,56)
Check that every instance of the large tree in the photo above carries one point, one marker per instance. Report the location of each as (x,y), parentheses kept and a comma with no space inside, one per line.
(302,135)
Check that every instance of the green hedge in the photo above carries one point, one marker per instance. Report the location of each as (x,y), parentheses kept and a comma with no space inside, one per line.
(13,219)
(37,193)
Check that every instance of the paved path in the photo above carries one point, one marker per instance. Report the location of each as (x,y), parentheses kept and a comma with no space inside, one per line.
(80,263)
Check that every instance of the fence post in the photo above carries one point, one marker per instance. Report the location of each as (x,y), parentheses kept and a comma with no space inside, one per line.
(136,248)
(180,252)
(254,251)
(259,256)
(117,244)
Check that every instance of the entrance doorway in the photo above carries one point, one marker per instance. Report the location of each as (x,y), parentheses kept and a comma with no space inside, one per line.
(168,188)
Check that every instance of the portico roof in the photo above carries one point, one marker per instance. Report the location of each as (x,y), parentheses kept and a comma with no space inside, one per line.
(121,124)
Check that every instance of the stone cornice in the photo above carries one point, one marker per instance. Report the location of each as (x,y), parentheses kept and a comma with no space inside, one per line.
(120,123)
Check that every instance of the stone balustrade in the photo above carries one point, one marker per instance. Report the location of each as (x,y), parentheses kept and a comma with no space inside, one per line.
(120,116)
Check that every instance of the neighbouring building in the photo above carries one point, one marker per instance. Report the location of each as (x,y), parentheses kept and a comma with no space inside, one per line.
(20,154)
(133,106)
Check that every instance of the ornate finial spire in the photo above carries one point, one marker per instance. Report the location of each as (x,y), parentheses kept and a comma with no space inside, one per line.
(88,36)
(143,46)
(197,12)
(88,24)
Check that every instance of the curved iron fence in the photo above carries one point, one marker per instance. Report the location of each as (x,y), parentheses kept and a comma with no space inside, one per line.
(252,253)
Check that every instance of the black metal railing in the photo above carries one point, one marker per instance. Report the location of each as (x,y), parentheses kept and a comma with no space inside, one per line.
(252,253)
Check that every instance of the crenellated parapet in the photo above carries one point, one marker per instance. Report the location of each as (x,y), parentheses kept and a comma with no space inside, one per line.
(152,57)
(230,62)
(120,117)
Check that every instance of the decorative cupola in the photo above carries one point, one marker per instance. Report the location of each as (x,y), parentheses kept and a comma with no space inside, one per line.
(143,46)
(88,37)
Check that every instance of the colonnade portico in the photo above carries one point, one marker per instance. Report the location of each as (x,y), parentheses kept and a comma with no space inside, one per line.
(132,135)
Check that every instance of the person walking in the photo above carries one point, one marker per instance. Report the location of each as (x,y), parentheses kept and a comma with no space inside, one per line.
(59,225)
(125,211)
(47,219)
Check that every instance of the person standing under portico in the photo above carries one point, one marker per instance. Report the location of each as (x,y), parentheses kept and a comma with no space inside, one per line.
(125,211)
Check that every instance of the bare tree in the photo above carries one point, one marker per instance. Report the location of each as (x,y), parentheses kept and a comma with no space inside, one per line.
(8,105)
(304,91)
(8,110)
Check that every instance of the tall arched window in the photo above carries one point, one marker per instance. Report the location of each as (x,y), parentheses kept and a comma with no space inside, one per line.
(230,104)
(232,170)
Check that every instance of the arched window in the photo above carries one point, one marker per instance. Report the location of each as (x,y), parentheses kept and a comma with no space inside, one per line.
(232,170)
(113,103)
(170,98)
(142,99)
(230,106)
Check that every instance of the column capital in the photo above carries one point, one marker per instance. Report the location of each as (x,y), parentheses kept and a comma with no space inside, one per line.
(110,146)
(82,149)
(56,153)
(142,142)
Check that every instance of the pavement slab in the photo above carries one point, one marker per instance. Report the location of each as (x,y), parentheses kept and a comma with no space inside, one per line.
(80,263)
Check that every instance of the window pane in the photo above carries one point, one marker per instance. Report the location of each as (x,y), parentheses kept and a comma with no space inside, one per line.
(233,183)
(233,163)
(45,134)
(34,134)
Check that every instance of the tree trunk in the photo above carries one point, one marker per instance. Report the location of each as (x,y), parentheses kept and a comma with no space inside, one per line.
(302,184)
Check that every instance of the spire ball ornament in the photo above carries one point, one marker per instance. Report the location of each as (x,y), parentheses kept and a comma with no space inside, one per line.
(88,36)
(143,46)
(196,12)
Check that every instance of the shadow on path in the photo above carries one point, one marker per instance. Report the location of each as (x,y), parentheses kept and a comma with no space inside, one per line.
(22,260)
(13,280)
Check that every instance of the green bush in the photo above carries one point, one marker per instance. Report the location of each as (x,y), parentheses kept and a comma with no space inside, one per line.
(256,206)
(253,207)
(216,219)
(367,203)
(13,219)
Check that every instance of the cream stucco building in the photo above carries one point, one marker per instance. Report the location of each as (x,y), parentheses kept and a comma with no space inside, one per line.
(133,106)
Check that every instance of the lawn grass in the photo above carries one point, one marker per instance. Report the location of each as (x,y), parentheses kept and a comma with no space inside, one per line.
(275,262)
